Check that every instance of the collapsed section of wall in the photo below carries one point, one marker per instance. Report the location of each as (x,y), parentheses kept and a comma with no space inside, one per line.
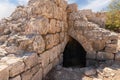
(32,40)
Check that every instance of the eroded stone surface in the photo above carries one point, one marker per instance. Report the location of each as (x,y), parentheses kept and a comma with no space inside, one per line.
(34,37)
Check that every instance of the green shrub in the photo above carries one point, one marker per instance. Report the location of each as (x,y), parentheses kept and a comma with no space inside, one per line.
(113,16)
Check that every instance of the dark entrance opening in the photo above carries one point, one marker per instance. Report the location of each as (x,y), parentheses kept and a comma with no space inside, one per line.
(74,54)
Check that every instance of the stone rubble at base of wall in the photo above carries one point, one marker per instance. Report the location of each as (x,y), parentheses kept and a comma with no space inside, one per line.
(33,38)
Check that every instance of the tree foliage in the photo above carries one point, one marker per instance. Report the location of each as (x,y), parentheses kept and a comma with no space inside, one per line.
(113,16)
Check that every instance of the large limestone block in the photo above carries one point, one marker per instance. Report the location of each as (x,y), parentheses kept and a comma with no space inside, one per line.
(57,12)
(38,44)
(39,25)
(26,75)
(32,42)
(56,62)
(58,25)
(49,56)
(105,56)
(35,69)
(62,36)
(40,7)
(25,42)
(47,9)
(47,69)
(52,40)
(38,75)
(111,48)
(55,52)
(16,65)
(98,45)
(64,26)
(45,57)
(4,72)
(54,26)
(91,55)
(30,60)
(64,16)
(63,4)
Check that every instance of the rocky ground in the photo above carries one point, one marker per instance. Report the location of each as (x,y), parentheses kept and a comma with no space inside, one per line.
(103,72)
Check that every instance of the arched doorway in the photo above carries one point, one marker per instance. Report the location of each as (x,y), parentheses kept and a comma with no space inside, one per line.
(74,54)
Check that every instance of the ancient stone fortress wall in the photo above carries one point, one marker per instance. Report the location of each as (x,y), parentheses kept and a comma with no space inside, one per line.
(99,43)
(32,40)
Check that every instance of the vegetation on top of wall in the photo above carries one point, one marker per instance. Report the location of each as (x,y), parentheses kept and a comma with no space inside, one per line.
(113,16)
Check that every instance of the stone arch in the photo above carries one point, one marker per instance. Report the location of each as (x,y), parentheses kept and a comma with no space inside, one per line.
(74,54)
(78,36)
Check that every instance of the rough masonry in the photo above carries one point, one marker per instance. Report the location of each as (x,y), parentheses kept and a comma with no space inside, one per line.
(33,38)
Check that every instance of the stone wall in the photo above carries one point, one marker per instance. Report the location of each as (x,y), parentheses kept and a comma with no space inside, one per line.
(99,43)
(32,40)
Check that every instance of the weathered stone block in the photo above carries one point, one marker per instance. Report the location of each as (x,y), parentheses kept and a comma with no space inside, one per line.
(98,45)
(4,72)
(54,26)
(47,69)
(26,75)
(30,60)
(61,58)
(91,55)
(111,48)
(91,62)
(52,40)
(35,69)
(41,7)
(105,56)
(64,26)
(56,12)
(25,42)
(38,75)
(55,52)
(39,25)
(45,58)
(38,44)
(63,4)
(55,62)
(64,16)
(62,36)
(47,9)
(16,66)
